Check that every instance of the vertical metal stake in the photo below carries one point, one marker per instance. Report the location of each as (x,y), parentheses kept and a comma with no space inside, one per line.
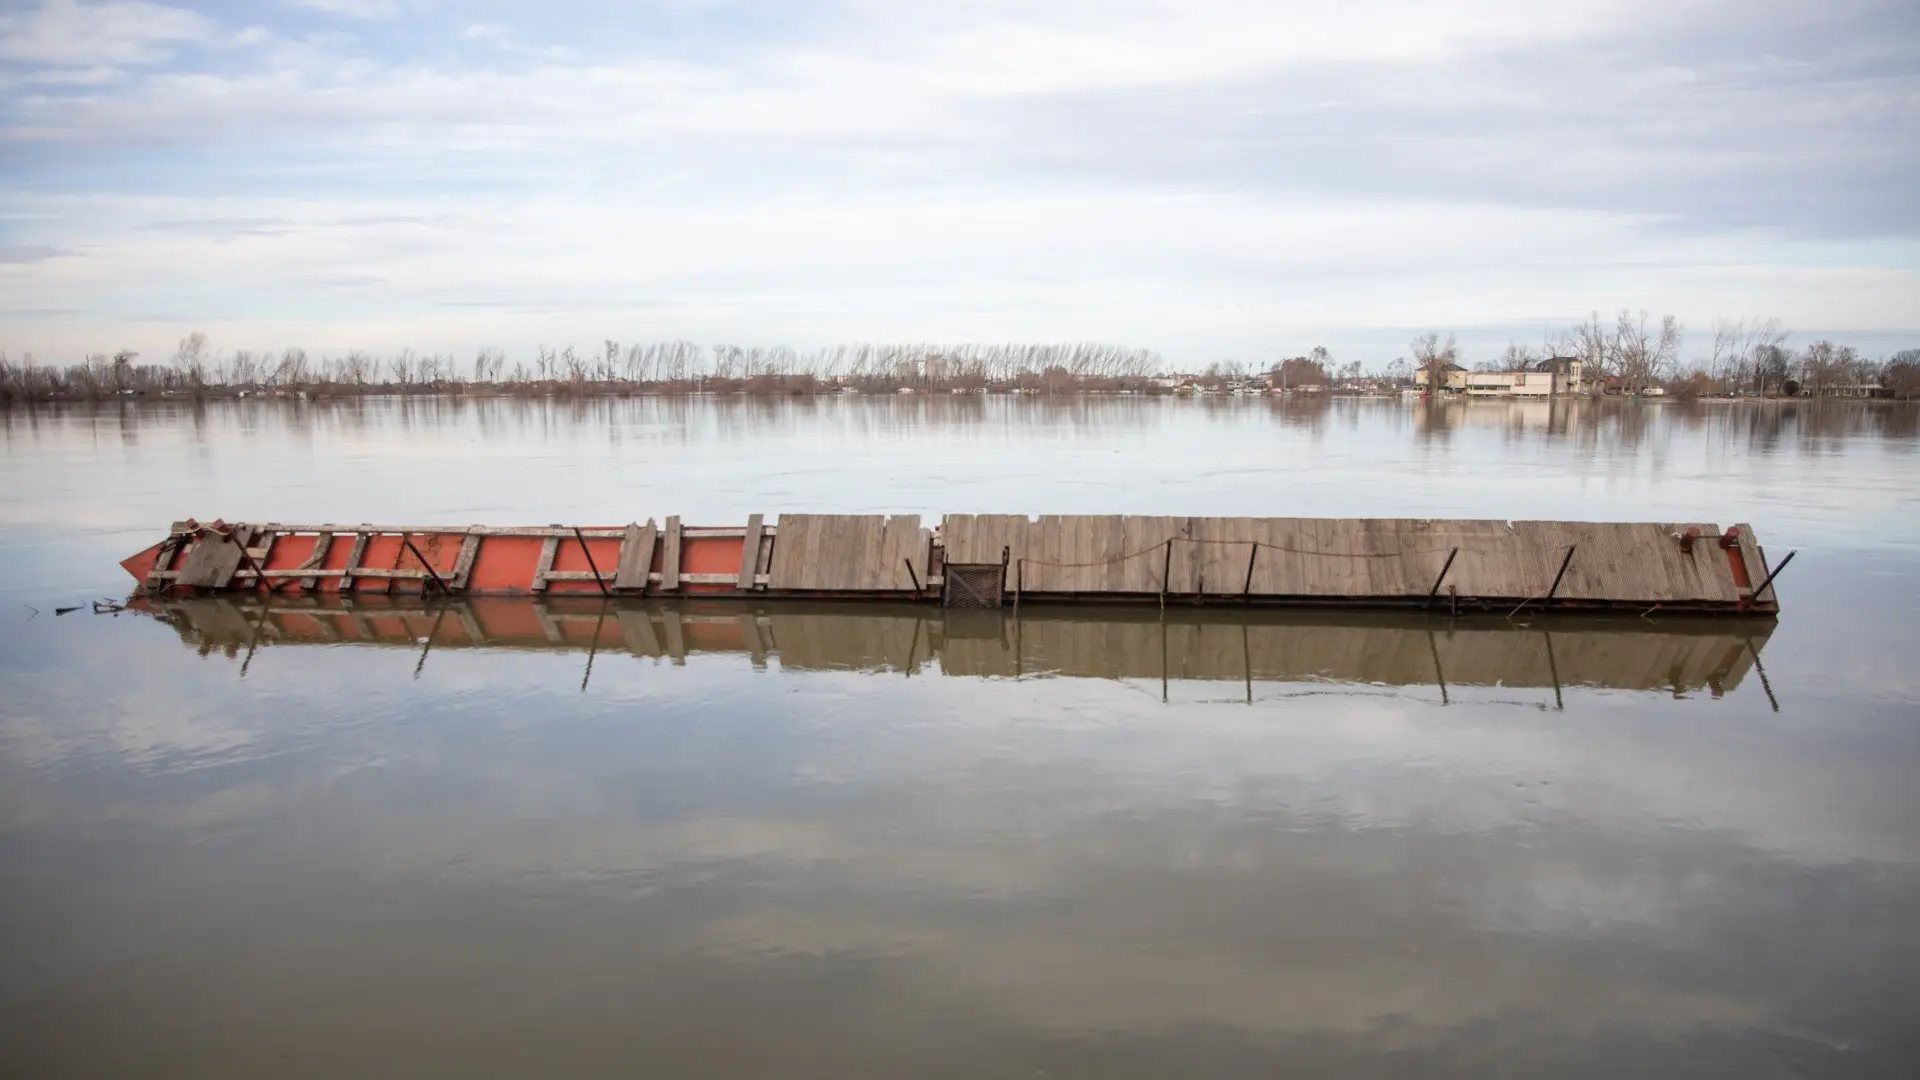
(1435,591)
(594,646)
(1166,573)
(1558,704)
(597,579)
(1548,600)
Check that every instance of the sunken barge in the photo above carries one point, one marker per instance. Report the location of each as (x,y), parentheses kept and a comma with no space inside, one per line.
(997,560)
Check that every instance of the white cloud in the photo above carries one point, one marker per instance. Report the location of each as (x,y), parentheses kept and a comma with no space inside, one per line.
(69,33)
(1188,176)
(350,9)
(1197,275)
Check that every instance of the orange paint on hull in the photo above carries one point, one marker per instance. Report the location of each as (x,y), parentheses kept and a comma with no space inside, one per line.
(503,565)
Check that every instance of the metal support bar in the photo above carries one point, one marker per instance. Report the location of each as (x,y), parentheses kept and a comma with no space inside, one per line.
(1166,572)
(1251,556)
(1755,597)
(597,579)
(917,590)
(1435,591)
(259,578)
(424,565)
(1564,563)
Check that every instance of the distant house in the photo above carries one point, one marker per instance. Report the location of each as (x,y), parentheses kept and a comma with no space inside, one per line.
(1546,378)
(1854,390)
(1456,380)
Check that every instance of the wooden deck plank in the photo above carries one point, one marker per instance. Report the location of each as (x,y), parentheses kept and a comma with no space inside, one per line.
(463,564)
(210,563)
(1755,560)
(636,557)
(549,548)
(670,556)
(750,551)
(354,554)
(848,553)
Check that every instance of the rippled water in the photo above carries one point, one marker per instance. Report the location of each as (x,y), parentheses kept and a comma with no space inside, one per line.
(506,838)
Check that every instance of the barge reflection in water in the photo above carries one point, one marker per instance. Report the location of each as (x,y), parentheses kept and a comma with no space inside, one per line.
(1182,645)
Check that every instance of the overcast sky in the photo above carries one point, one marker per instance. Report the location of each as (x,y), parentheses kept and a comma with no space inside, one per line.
(1211,178)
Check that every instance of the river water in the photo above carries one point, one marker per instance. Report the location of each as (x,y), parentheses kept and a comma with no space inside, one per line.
(807,841)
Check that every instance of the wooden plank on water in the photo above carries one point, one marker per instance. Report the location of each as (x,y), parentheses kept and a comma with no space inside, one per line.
(835,553)
(670,556)
(750,552)
(636,557)
(158,575)
(354,554)
(322,547)
(902,559)
(463,565)
(1755,561)
(210,563)
(549,548)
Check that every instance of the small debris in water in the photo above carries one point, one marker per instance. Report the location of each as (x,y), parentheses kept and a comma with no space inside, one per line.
(64,610)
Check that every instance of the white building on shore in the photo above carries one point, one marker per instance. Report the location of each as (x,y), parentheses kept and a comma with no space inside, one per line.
(1547,378)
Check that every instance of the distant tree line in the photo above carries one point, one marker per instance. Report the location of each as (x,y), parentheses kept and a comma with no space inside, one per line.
(1631,353)
(1634,352)
(196,369)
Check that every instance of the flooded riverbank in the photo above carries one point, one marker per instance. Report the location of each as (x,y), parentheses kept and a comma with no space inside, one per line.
(493,837)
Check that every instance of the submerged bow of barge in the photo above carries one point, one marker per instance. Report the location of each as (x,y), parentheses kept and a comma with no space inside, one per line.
(992,560)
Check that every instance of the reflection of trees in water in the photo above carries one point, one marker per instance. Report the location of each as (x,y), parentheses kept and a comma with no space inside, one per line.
(1600,426)
(1594,427)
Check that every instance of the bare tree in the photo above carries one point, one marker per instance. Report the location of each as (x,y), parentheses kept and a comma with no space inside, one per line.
(400,368)
(244,368)
(291,370)
(1518,358)
(1643,354)
(123,369)
(191,359)
(1824,365)
(1901,376)
(1434,358)
(1738,345)
(1592,344)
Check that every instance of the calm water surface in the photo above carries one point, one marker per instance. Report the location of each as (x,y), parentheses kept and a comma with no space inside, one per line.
(509,839)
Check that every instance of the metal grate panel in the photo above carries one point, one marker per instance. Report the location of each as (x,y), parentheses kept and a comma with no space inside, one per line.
(977,585)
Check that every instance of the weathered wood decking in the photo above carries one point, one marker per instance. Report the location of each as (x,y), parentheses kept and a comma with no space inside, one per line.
(1354,559)
(990,560)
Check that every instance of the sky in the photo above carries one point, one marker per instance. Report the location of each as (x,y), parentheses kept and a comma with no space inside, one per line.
(1214,179)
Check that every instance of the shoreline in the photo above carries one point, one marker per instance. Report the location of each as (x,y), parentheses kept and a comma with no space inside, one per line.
(462,392)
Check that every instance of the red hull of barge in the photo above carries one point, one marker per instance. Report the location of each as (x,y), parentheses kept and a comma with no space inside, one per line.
(503,565)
